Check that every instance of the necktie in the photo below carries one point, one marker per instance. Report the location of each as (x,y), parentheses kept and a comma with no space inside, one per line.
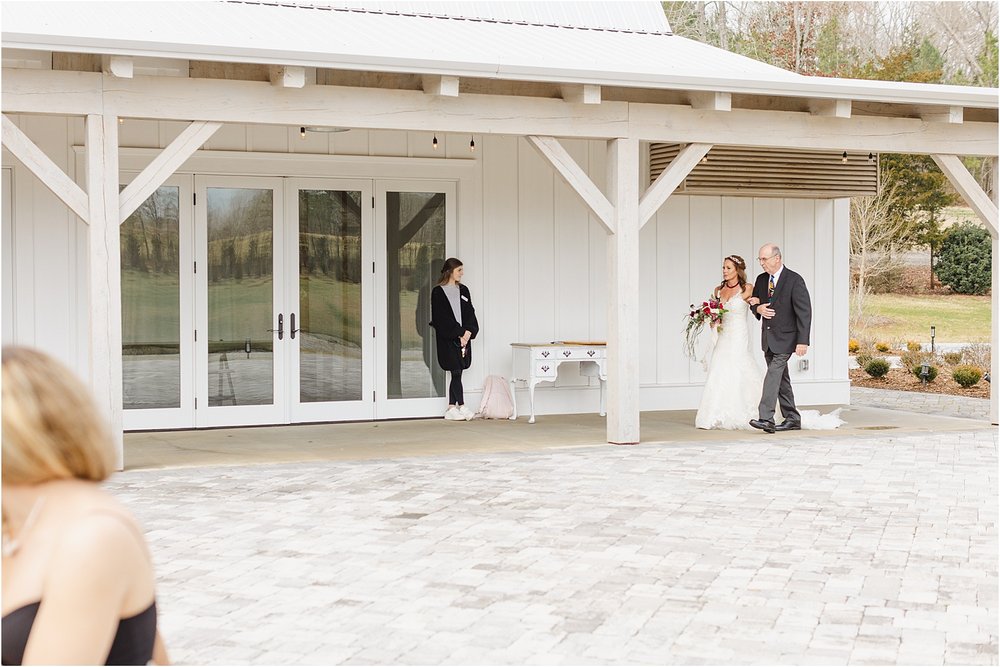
(770,286)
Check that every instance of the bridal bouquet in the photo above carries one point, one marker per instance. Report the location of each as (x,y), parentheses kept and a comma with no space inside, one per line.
(710,311)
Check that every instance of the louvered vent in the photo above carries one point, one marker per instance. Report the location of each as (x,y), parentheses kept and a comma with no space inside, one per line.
(760,172)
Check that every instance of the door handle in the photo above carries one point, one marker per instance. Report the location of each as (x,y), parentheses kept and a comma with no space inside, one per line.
(293,329)
(281,327)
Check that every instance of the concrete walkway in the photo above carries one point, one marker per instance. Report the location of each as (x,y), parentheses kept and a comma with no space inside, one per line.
(495,542)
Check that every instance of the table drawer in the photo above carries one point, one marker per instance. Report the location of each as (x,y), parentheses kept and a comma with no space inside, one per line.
(545,369)
(569,353)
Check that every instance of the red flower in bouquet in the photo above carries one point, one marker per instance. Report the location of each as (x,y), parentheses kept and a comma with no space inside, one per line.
(710,311)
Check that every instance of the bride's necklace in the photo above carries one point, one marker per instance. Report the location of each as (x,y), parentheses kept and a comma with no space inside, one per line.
(12,545)
(732,286)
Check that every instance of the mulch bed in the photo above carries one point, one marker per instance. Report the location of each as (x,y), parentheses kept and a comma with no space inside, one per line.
(901,380)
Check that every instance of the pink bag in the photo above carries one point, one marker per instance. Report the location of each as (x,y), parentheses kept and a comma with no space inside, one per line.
(496,403)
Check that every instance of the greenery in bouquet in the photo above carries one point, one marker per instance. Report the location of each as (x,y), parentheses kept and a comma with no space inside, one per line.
(710,312)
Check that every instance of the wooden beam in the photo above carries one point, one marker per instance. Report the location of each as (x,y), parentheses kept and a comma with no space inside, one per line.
(104,273)
(163,166)
(581,93)
(287,76)
(445,86)
(229,101)
(668,180)
(711,101)
(39,164)
(830,108)
(576,178)
(120,66)
(797,130)
(967,186)
(954,115)
(623,293)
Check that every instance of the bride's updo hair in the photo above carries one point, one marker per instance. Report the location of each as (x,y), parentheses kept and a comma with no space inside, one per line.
(741,270)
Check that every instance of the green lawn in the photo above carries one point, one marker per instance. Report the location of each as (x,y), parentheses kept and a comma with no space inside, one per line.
(898,318)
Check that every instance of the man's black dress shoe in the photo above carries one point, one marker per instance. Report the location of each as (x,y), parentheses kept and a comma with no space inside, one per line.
(765,425)
(788,426)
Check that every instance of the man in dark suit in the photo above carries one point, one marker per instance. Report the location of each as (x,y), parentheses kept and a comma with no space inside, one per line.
(779,297)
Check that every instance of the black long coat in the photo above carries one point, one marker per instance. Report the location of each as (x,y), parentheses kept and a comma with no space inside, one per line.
(447,330)
(792,312)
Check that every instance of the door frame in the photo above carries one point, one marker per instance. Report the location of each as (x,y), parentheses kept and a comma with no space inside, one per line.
(364,408)
(465,173)
(395,408)
(182,416)
(243,415)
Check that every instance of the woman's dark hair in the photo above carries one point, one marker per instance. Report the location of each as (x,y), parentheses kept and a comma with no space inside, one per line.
(447,269)
(741,270)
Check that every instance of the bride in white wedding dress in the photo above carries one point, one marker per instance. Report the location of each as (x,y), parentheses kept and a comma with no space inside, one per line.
(732,388)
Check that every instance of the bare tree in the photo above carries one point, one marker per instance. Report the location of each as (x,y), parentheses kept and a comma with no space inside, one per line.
(957,30)
(876,244)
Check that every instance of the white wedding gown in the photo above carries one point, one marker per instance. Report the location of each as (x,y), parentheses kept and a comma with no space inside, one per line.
(734,382)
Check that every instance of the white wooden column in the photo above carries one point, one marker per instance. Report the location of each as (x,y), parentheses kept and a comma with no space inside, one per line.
(623,293)
(986,208)
(104,273)
(995,311)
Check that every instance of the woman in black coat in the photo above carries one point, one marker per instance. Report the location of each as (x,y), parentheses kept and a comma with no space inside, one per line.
(455,325)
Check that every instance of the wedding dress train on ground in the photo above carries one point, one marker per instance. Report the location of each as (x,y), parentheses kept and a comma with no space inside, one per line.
(734,382)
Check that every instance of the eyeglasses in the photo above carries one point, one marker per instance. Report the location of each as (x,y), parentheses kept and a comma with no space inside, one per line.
(764,259)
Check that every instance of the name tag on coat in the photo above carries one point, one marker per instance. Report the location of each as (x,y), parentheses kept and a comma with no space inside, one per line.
(465,298)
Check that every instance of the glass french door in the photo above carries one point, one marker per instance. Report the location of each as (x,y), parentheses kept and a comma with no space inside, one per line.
(330,252)
(242,322)
(414,230)
(259,300)
(157,283)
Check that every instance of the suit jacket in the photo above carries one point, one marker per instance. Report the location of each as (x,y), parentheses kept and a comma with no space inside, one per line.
(792,312)
(447,330)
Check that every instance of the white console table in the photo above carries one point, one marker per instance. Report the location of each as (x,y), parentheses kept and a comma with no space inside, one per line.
(539,362)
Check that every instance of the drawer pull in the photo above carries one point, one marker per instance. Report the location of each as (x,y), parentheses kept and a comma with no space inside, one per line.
(590,353)
(566,353)
(545,369)
(545,353)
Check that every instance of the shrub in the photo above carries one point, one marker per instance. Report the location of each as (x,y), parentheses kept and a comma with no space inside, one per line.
(932,371)
(863,358)
(913,346)
(853,346)
(966,375)
(910,359)
(953,358)
(877,367)
(882,347)
(964,263)
(977,354)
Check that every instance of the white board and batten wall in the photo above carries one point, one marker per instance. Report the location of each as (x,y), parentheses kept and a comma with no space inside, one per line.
(536,261)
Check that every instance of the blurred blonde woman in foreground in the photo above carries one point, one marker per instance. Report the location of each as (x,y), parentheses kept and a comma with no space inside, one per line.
(78,585)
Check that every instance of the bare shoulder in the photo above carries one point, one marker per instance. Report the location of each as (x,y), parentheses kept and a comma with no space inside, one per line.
(108,536)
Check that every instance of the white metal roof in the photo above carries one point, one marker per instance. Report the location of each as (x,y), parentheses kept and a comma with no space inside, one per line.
(511,43)
(626,16)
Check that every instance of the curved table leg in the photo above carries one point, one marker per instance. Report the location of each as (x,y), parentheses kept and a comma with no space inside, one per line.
(531,399)
(513,401)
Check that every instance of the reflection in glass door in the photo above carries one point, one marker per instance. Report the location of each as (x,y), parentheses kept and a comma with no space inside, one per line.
(242,326)
(157,332)
(331,327)
(413,231)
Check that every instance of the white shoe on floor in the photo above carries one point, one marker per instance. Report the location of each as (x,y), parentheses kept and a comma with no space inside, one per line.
(467,414)
(453,414)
